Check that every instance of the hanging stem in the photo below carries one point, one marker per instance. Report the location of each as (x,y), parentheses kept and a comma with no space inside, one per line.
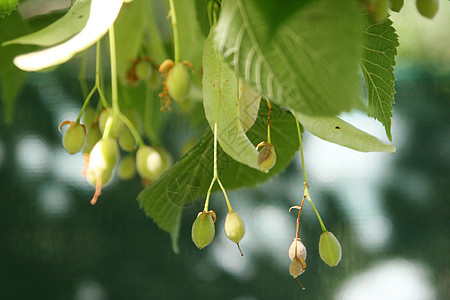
(305,182)
(173,17)
(268,122)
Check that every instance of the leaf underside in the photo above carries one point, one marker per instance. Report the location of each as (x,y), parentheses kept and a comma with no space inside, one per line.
(188,180)
(380,49)
(296,67)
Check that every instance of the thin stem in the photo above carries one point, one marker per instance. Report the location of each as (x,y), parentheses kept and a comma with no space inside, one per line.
(208,194)
(268,122)
(173,17)
(97,74)
(314,207)
(305,183)
(86,102)
(230,209)
(301,147)
(297,232)
(112,49)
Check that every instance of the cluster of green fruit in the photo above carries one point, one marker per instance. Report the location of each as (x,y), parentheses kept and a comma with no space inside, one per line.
(203,229)
(378,9)
(100,145)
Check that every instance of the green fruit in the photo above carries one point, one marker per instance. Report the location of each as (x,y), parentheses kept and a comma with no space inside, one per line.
(178,82)
(126,140)
(378,11)
(93,136)
(149,163)
(104,156)
(267,158)
(301,250)
(116,124)
(427,8)
(143,70)
(74,137)
(92,178)
(203,230)
(396,5)
(297,267)
(234,227)
(127,167)
(88,116)
(330,249)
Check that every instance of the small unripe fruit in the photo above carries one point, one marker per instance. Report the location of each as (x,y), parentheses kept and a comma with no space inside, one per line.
(143,70)
(74,137)
(395,5)
(127,167)
(126,140)
(149,163)
(203,230)
(104,156)
(301,249)
(427,8)
(330,249)
(116,125)
(234,227)
(88,116)
(267,158)
(378,11)
(93,136)
(178,82)
(297,267)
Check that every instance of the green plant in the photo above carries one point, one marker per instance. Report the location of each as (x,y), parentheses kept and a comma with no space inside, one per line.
(305,60)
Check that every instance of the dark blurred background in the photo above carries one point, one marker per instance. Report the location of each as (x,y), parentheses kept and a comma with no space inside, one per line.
(390,212)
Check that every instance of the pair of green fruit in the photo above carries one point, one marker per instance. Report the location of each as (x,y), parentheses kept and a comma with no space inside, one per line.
(203,229)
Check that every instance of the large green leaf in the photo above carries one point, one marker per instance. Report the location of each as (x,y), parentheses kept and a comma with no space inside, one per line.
(310,64)
(335,130)
(102,15)
(188,180)
(221,103)
(67,26)
(380,49)
(7,7)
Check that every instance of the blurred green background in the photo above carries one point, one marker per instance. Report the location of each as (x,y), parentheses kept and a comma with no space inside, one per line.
(390,212)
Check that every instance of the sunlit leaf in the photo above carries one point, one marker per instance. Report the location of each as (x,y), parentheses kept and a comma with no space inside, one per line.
(221,103)
(103,13)
(249,100)
(380,49)
(67,26)
(335,130)
(310,64)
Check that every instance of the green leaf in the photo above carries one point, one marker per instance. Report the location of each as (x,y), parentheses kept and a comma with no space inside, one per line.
(102,15)
(11,78)
(7,7)
(335,130)
(129,28)
(188,180)
(310,64)
(221,104)
(67,26)
(380,49)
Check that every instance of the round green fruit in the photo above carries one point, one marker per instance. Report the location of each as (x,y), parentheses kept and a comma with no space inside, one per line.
(427,8)
(127,167)
(149,163)
(127,141)
(378,11)
(178,82)
(93,136)
(234,227)
(143,70)
(74,137)
(203,230)
(330,249)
